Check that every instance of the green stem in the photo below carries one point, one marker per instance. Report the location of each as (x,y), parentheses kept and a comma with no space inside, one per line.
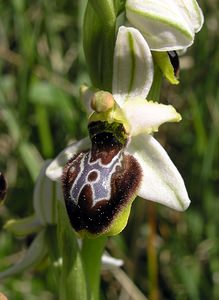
(52,243)
(72,281)
(91,252)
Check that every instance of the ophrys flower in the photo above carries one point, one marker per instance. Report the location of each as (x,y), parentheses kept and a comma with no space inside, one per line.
(104,173)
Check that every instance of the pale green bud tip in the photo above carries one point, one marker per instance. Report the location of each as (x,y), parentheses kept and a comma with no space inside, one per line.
(102,101)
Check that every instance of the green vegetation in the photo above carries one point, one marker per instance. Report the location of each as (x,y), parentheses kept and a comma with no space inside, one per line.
(42,66)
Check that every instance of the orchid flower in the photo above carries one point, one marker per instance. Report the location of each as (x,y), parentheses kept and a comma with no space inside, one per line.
(166,24)
(102,174)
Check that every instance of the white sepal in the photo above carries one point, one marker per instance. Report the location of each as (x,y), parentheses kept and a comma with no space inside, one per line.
(146,116)
(44,198)
(167,24)
(161,181)
(34,254)
(54,170)
(193,12)
(133,65)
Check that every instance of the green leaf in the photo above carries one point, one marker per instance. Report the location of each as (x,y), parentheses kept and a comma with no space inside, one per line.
(31,158)
(11,122)
(98,42)
(92,44)
(104,10)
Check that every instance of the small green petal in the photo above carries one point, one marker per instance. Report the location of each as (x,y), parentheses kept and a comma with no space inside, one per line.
(163,61)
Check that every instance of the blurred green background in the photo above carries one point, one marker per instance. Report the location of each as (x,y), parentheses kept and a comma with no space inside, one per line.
(41,69)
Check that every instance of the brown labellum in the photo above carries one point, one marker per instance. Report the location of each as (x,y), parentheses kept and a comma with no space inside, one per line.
(100,182)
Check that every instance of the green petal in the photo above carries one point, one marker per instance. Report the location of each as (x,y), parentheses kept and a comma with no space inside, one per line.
(34,254)
(163,61)
(161,181)
(133,65)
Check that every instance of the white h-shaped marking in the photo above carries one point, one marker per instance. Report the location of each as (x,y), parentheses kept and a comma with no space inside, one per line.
(101,186)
